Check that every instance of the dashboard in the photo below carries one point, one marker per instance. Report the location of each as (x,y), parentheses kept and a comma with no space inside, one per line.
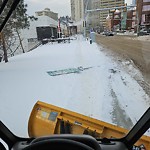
(69,141)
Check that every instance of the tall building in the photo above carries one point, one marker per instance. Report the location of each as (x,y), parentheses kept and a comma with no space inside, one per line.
(95,18)
(108,4)
(134,2)
(78,12)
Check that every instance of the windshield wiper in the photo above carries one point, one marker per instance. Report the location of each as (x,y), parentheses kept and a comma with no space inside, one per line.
(12,8)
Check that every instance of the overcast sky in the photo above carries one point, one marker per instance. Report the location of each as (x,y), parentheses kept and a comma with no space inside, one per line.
(62,7)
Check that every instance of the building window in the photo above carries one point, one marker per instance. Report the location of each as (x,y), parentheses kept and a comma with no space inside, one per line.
(134,18)
(32,40)
(147,18)
(134,13)
(146,7)
(133,24)
(146,0)
(143,19)
(40,13)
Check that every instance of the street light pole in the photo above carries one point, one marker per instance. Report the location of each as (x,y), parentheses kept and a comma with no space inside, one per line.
(85,17)
(137,23)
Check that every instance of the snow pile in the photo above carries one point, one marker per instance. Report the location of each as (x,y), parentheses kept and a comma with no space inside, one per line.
(144,38)
(104,91)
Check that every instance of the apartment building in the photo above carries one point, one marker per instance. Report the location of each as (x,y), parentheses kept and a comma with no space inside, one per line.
(95,18)
(143,10)
(108,4)
(131,19)
(78,12)
(134,2)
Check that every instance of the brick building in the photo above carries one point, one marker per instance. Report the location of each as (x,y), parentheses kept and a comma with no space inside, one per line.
(143,10)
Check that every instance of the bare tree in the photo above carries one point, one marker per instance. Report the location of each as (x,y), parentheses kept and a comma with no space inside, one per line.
(4,47)
(19,20)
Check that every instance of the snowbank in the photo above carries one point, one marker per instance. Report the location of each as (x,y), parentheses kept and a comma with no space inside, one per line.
(102,91)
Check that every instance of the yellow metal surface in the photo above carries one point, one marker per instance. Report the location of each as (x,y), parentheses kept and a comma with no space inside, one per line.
(45,120)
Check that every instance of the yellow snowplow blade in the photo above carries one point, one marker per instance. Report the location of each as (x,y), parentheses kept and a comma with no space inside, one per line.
(46,119)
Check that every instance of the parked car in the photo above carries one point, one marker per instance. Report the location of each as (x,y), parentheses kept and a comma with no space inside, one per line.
(144,32)
(109,33)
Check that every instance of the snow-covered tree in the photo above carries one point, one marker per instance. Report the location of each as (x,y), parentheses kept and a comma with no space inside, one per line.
(18,20)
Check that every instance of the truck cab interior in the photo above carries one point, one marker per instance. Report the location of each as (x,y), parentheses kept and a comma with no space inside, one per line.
(83,142)
(71,141)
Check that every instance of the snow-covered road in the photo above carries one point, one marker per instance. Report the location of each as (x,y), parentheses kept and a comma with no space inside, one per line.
(84,80)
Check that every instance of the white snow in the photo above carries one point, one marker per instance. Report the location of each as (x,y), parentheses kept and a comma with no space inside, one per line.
(92,92)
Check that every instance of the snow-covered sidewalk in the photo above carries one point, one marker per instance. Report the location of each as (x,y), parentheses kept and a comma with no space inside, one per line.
(77,76)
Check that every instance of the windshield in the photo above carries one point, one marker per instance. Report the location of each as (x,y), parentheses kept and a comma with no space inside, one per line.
(87,56)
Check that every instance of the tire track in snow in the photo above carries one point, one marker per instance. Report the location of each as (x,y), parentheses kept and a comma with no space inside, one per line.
(91,88)
(86,96)
(126,94)
(118,114)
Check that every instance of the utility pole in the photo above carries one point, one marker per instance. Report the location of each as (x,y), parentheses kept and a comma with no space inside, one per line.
(137,15)
(85,15)
(84,24)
